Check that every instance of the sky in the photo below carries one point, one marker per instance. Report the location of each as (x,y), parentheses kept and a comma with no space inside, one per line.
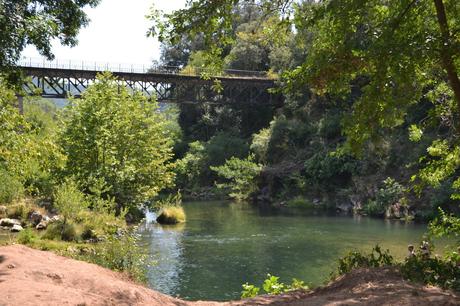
(116,34)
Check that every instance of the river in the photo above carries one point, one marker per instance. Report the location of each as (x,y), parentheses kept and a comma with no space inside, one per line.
(223,245)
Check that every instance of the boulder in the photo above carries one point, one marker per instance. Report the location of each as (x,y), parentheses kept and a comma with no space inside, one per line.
(35,217)
(42,225)
(16,228)
(9,222)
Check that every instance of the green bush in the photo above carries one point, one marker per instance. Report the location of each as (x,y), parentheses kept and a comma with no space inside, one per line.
(10,187)
(272,285)
(240,176)
(391,193)
(61,231)
(121,253)
(26,236)
(355,260)
(300,202)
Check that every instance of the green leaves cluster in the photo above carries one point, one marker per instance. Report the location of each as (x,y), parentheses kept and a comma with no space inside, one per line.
(240,176)
(272,285)
(120,138)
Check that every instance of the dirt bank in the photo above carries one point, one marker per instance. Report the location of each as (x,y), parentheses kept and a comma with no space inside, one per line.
(32,277)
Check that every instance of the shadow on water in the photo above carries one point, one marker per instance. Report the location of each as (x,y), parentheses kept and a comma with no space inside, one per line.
(223,245)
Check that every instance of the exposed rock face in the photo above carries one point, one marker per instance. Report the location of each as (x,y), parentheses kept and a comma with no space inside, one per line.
(9,222)
(16,228)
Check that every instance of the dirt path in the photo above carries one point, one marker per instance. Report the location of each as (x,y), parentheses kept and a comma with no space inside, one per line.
(32,277)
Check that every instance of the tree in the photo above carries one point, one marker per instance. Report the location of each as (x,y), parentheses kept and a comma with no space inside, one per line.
(120,138)
(33,22)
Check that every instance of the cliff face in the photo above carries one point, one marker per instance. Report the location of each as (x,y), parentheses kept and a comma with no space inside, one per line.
(32,277)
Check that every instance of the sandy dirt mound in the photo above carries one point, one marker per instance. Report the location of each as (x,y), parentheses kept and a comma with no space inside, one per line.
(32,277)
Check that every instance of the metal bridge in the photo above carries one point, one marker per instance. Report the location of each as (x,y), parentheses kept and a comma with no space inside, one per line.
(61,79)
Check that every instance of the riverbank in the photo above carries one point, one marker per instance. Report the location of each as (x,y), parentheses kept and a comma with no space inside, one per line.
(33,277)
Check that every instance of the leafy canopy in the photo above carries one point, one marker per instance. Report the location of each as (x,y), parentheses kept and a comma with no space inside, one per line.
(118,139)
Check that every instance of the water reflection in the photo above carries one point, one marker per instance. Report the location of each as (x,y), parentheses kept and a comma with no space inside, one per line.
(165,246)
(223,245)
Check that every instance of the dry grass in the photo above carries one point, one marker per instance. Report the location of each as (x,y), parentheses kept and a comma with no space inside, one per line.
(171,215)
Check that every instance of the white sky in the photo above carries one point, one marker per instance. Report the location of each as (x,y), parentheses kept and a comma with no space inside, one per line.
(115,34)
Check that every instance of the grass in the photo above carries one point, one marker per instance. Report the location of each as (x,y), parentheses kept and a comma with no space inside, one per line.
(171,215)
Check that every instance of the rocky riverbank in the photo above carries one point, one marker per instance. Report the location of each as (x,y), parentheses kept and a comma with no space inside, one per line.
(32,277)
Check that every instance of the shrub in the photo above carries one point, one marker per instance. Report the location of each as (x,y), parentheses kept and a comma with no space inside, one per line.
(10,187)
(61,231)
(69,201)
(389,194)
(355,260)
(240,176)
(171,215)
(272,285)
(17,211)
(26,236)
(121,253)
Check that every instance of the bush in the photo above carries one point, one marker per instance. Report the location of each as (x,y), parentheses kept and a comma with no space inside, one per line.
(61,231)
(272,285)
(240,175)
(391,193)
(355,260)
(171,215)
(69,201)
(10,187)
(26,236)
(121,253)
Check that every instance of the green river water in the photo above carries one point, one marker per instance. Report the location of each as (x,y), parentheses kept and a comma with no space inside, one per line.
(223,245)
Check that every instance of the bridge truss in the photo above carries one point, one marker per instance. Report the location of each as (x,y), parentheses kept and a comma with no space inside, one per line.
(166,85)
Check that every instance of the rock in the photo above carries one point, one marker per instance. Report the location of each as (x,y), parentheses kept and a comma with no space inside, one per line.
(42,225)
(46,218)
(16,228)
(35,217)
(54,219)
(11,266)
(9,222)
(2,210)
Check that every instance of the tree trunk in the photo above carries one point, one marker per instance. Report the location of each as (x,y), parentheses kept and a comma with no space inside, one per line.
(446,54)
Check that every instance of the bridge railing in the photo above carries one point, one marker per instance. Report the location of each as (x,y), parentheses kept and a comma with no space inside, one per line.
(135,68)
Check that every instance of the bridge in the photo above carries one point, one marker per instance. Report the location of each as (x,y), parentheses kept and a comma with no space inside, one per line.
(61,79)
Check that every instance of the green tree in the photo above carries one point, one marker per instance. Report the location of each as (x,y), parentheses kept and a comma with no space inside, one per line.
(32,22)
(120,138)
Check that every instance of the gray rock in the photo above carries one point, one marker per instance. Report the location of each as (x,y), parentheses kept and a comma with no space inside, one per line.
(45,218)
(9,222)
(35,217)
(42,225)
(16,228)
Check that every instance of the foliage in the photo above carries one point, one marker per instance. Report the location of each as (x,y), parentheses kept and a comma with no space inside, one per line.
(445,225)
(435,271)
(69,201)
(171,215)
(61,230)
(121,253)
(331,168)
(37,23)
(119,138)
(354,260)
(272,285)
(240,175)
(391,193)
(26,236)
(10,188)
(260,142)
